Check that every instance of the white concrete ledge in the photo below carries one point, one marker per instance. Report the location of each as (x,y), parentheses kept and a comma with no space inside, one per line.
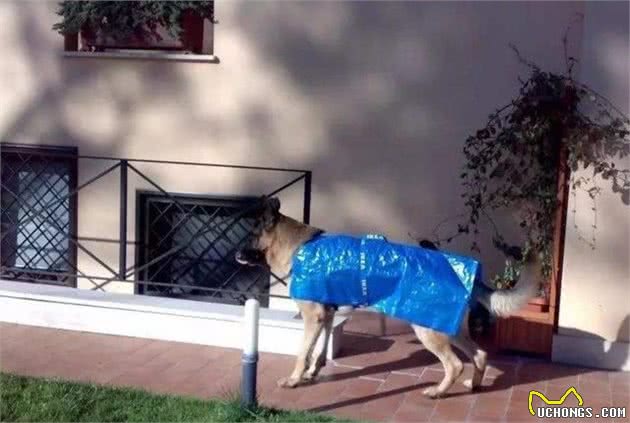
(143,55)
(151,317)
(591,352)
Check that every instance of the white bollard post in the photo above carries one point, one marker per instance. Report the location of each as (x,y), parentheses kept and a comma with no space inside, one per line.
(250,353)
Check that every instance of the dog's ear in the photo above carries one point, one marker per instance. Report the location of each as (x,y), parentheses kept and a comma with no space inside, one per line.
(271,212)
(274,204)
(269,203)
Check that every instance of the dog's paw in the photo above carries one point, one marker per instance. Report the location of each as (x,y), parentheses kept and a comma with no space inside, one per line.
(432,392)
(288,382)
(313,372)
(472,384)
(309,376)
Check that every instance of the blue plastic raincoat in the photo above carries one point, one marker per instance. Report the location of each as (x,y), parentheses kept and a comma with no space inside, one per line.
(421,286)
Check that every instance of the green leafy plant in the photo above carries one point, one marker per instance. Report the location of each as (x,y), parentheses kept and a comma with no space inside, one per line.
(512,162)
(122,19)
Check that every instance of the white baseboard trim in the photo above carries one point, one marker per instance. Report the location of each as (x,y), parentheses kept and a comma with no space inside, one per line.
(152,317)
(591,352)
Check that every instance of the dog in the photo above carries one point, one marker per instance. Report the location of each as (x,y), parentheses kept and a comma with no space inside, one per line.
(275,240)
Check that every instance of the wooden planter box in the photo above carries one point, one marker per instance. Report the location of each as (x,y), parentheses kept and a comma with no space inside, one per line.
(531,329)
(191,39)
(528,331)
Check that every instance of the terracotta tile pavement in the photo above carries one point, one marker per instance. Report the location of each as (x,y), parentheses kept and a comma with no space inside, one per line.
(377,378)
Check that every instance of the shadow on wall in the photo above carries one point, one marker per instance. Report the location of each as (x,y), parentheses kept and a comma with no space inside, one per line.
(622,333)
(396,87)
(401,85)
(62,110)
(576,346)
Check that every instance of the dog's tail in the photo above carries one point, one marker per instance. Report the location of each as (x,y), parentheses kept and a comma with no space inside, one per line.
(507,301)
(504,302)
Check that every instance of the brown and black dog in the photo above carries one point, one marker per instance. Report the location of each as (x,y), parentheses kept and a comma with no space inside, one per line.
(275,240)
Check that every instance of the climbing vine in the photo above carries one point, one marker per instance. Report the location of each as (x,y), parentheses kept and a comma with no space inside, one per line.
(512,162)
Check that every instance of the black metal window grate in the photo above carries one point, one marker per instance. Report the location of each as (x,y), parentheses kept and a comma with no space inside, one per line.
(37,214)
(205,261)
(184,245)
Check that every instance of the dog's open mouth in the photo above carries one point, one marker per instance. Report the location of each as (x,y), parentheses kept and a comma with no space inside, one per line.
(242,261)
(250,257)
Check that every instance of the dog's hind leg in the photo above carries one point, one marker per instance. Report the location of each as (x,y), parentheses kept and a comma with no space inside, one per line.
(476,355)
(318,357)
(439,344)
(313,315)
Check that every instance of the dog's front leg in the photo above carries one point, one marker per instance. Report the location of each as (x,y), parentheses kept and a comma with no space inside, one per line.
(314,317)
(320,351)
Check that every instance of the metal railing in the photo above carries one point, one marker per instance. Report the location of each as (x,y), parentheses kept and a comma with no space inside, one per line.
(190,256)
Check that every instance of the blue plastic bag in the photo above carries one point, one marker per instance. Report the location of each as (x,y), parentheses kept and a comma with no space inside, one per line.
(425,287)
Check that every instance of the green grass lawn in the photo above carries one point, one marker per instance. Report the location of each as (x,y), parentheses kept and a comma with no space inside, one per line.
(38,400)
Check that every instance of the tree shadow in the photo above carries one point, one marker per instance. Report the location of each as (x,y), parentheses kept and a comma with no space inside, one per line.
(385,89)
(383,78)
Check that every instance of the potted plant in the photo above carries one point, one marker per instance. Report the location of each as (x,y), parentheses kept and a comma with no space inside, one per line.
(521,160)
(134,24)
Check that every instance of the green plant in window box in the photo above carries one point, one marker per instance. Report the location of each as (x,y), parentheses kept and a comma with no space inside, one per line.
(512,162)
(122,21)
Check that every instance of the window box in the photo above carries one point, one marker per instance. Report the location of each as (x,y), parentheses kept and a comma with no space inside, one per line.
(194,37)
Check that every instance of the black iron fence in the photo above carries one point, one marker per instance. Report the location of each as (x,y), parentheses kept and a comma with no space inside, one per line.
(184,245)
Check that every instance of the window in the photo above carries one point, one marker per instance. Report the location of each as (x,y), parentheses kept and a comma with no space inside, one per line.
(207,237)
(178,27)
(38,214)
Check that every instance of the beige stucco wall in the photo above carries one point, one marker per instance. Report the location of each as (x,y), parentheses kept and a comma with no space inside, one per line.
(595,298)
(375,98)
